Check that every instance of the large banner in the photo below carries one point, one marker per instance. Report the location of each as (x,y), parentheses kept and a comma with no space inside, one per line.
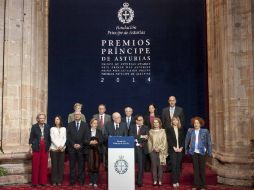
(126,53)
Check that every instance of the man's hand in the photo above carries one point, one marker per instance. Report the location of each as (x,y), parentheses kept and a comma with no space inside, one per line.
(144,136)
(76,146)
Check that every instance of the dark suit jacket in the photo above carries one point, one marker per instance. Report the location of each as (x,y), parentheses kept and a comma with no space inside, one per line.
(143,131)
(166,120)
(107,120)
(131,122)
(171,137)
(76,137)
(88,137)
(147,121)
(35,137)
(111,131)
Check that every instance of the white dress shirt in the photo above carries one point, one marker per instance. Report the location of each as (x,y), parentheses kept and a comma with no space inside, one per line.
(58,137)
(171,110)
(176,133)
(93,132)
(138,128)
(116,124)
(196,141)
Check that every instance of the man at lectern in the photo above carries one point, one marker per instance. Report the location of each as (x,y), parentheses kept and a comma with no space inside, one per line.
(115,128)
(140,133)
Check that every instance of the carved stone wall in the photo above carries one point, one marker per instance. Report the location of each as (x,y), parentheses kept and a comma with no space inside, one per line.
(230,30)
(23,80)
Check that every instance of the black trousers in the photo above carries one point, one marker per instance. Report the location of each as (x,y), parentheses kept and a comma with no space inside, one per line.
(77,157)
(94,177)
(198,161)
(176,159)
(57,166)
(147,163)
(140,160)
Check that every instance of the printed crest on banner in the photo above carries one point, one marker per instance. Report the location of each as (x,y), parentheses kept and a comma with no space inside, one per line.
(121,165)
(125,14)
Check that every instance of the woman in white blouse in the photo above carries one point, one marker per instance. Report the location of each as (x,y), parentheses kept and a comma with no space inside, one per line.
(57,150)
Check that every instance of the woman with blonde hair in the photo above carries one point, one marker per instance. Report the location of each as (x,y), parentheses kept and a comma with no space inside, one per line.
(158,149)
(93,141)
(77,107)
(175,145)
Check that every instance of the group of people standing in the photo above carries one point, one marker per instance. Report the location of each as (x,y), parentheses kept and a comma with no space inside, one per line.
(159,141)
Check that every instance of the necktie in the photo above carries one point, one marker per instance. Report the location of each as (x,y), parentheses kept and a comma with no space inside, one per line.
(101,121)
(77,126)
(128,122)
(116,132)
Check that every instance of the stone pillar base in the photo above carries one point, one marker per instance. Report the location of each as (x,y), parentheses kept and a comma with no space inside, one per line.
(233,173)
(15,179)
(18,166)
(235,182)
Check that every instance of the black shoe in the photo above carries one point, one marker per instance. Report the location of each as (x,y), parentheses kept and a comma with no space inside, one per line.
(44,185)
(140,185)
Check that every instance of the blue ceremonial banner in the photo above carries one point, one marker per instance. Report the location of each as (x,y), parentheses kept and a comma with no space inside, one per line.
(127,53)
(121,142)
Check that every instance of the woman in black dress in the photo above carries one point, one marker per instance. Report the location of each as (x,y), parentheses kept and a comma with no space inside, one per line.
(93,141)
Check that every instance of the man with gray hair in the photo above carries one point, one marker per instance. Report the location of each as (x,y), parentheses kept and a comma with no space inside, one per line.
(76,132)
(128,119)
(115,128)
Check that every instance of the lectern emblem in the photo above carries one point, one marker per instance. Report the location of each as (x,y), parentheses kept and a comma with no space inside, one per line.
(121,165)
(125,14)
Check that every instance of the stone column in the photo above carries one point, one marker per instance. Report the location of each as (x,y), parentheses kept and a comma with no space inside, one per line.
(23,80)
(230,31)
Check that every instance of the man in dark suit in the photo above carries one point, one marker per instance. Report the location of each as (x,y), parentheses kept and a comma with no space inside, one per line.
(115,128)
(172,110)
(102,117)
(140,133)
(103,120)
(76,132)
(128,119)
